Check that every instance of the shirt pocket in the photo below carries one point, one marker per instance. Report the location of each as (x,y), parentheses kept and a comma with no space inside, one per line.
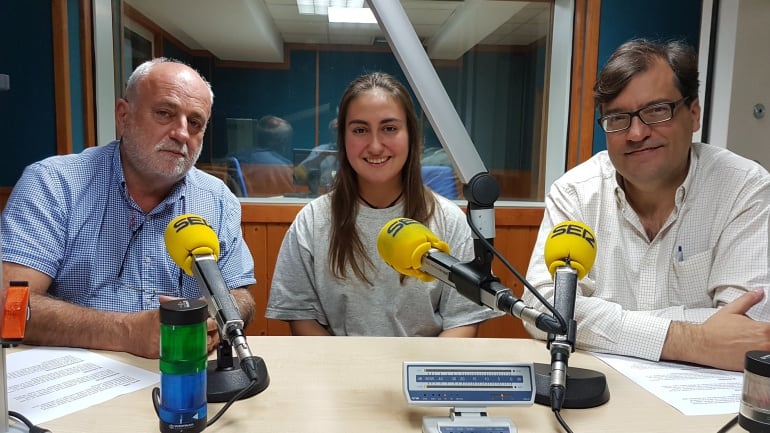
(689,280)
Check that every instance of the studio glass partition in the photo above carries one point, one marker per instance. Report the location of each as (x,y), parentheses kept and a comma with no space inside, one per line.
(278,71)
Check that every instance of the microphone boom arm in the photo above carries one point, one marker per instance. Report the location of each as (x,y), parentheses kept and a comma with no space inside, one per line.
(486,290)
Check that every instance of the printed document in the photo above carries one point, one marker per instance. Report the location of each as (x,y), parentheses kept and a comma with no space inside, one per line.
(691,389)
(46,383)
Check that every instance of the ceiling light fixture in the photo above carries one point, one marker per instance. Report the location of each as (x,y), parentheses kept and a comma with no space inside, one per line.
(321,7)
(351,15)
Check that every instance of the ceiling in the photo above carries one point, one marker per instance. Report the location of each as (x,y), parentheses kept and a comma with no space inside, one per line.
(255,30)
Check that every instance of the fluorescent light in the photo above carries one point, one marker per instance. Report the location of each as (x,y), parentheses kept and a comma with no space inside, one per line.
(345,3)
(351,15)
(312,7)
(320,7)
(305,9)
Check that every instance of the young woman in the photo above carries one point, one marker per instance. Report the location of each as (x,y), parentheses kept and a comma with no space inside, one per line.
(329,278)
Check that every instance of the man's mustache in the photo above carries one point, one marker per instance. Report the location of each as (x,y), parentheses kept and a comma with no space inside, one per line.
(174,147)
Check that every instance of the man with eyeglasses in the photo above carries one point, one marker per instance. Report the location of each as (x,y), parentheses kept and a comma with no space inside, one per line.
(86,231)
(683,263)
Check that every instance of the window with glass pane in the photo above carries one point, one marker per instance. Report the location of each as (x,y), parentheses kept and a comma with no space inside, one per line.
(137,47)
(278,78)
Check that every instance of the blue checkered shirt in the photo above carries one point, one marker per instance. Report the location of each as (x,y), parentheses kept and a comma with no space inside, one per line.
(71,218)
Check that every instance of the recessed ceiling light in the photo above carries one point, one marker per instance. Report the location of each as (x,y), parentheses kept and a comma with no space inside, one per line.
(351,15)
(320,7)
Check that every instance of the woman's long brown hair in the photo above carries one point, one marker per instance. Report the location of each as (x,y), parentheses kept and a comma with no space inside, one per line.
(419,204)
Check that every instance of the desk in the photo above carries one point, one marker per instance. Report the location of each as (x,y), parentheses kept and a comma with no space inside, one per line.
(353,384)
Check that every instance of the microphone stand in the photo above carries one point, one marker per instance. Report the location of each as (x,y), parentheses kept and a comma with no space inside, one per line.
(479,187)
(583,388)
(559,385)
(225,378)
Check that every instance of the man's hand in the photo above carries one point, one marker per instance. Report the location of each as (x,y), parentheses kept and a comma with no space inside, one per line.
(721,341)
(212,332)
(212,339)
(729,333)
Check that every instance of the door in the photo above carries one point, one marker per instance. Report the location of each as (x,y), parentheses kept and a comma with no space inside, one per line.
(741,98)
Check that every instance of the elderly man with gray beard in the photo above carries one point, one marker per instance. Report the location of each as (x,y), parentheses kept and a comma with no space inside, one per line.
(86,230)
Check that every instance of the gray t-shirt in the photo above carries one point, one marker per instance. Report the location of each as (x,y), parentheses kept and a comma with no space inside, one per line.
(304,288)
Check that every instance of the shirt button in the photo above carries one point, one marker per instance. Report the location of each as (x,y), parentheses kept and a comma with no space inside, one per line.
(147,259)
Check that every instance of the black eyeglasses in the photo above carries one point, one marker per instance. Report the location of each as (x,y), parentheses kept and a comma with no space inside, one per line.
(127,284)
(649,115)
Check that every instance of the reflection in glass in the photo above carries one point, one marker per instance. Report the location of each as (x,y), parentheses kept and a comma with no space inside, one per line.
(492,58)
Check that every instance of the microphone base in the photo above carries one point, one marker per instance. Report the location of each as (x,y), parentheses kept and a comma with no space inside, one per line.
(585,388)
(225,383)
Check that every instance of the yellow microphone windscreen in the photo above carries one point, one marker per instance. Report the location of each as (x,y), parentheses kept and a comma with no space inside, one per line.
(188,235)
(571,240)
(402,242)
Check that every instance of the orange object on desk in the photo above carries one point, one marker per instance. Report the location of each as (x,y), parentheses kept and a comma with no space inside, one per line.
(16,311)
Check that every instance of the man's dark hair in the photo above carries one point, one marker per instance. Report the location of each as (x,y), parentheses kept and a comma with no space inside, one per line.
(274,133)
(636,56)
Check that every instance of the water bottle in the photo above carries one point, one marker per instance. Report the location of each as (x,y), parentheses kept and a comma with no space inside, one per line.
(183,361)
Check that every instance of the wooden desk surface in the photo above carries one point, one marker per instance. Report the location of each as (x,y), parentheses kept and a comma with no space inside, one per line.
(353,384)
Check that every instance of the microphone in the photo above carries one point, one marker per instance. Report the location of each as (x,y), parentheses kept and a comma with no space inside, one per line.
(569,252)
(412,249)
(194,247)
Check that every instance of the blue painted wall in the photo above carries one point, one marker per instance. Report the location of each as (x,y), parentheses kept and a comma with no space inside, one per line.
(622,20)
(27,110)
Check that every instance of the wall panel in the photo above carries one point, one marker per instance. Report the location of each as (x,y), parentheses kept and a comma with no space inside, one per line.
(255,236)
